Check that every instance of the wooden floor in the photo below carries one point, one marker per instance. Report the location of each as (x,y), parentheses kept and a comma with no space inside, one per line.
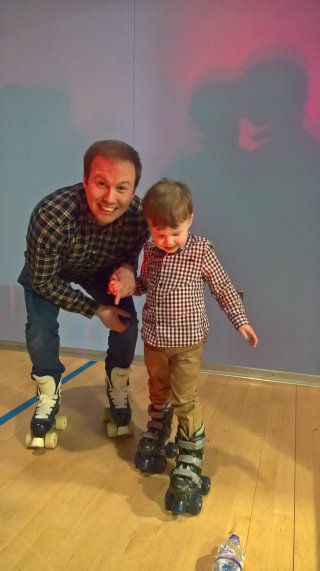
(84,507)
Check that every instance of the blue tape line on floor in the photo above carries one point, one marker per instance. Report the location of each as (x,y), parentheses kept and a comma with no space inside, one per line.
(12,413)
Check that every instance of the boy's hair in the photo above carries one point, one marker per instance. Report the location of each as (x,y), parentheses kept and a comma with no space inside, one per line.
(112,149)
(167,203)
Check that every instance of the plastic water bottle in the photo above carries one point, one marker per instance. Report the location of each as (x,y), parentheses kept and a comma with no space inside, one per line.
(230,556)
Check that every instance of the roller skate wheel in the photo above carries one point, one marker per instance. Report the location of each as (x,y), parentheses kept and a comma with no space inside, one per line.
(60,422)
(171,449)
(34,441)
(160,463)
(131,427)
(168,500)
(144,463)
(206,485)
(112,430)
(50,440)
(194,504)
(137,459)
(107,415)
(151,464)
(177,507)
(29,439)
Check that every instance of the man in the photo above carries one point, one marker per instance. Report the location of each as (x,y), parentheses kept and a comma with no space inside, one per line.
(83,234)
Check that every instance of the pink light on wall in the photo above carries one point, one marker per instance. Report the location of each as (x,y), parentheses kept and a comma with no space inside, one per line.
(206,36)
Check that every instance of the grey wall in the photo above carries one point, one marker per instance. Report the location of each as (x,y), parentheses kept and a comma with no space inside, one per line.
(221,95)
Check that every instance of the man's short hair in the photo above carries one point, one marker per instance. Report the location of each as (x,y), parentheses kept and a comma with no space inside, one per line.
(112,149)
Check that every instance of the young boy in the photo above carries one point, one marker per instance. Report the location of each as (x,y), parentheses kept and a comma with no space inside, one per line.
(175,267)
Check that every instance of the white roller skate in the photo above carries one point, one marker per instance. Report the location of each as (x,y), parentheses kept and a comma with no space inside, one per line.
(46,418)
(118,414)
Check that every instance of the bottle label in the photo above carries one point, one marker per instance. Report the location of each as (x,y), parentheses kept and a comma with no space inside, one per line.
(225,556)
(227,550)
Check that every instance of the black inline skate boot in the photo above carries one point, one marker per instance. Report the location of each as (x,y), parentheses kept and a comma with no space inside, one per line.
(151,453)
(187,486)
(118,414)
(46,418)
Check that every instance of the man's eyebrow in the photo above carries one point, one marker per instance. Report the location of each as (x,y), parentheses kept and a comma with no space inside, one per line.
(102,176)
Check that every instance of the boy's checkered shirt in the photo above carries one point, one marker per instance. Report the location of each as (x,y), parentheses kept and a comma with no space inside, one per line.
(174,313)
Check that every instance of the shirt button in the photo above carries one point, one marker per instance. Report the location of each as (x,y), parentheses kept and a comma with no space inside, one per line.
(94,252)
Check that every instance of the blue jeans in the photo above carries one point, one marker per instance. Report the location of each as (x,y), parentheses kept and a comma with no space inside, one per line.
(42,329)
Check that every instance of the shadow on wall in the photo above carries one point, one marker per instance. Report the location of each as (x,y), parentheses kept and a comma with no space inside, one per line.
(39,152)
(256,185)
(39,145)
(13,313)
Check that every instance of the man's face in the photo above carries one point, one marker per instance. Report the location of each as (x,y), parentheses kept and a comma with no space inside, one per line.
(109,188)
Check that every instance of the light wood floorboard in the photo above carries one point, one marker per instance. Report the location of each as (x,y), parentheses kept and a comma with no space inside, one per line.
(84,507)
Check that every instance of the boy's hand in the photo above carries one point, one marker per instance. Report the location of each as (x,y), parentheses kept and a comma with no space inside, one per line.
(248,333)
(122,283)
(116,288)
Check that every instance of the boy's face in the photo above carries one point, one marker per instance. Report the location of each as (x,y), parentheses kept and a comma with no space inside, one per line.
(170,239)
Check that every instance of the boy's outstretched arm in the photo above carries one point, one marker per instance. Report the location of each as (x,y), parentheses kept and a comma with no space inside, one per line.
(248,333)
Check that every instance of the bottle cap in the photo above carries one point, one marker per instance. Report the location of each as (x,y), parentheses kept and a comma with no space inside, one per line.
(234,536)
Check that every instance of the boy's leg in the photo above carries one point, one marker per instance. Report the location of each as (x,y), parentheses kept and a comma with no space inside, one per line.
(185,367)
(186,483)
(150,456)
(159,381)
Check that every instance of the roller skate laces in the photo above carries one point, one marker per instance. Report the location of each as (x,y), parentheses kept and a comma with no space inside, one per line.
(118,414)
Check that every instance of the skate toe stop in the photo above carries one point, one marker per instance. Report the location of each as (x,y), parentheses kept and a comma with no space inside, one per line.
(34,442)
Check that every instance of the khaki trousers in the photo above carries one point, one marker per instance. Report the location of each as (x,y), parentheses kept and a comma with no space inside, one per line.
(173,377)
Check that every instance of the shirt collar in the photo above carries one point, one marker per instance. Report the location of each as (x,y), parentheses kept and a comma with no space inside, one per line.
(185,247)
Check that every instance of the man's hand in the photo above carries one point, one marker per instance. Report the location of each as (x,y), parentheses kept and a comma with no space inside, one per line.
(248,333)
(122,282)
(113,317)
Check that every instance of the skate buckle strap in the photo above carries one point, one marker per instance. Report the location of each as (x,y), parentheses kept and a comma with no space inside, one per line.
(155,424)
(150,435)
(193,460)
(45,405)
(198,445)
(161,413)
(188,473)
